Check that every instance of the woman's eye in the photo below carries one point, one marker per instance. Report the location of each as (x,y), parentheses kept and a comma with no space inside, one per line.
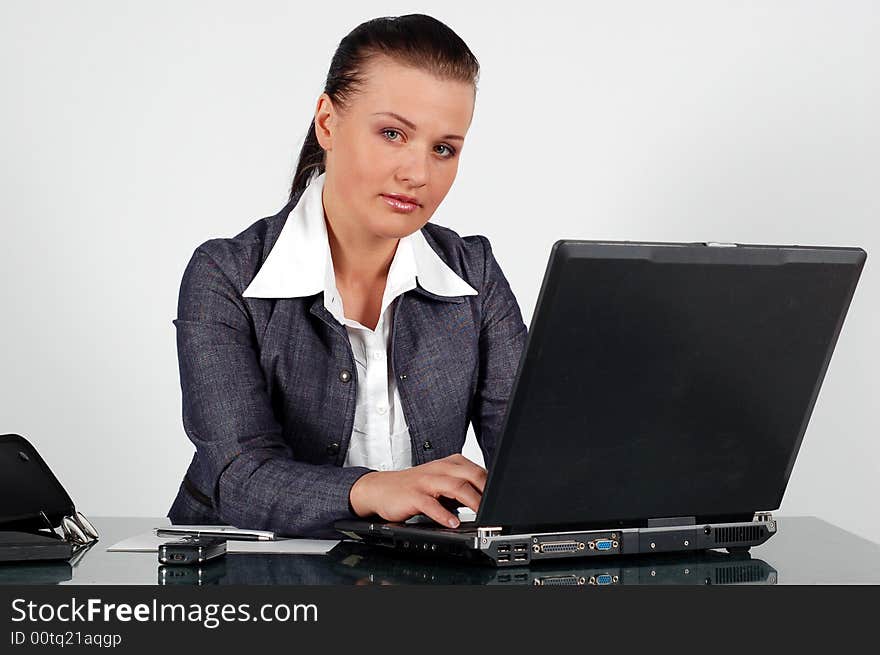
(449,152)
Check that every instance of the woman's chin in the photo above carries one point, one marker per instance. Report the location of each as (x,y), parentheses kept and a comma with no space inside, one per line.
(395,229)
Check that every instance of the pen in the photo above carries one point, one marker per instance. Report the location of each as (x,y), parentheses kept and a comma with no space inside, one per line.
(229,536)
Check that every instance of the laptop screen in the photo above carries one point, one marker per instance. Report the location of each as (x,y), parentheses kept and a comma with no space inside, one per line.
(666,380)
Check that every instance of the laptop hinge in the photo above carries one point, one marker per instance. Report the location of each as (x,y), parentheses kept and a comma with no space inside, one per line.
(672,520)
(484,533)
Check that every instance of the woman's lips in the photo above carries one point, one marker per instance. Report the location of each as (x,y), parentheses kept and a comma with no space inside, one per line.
(400,205)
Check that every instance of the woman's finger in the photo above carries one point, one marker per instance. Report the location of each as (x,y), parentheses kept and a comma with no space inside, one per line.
(458,489)
(431,508)
(466,470)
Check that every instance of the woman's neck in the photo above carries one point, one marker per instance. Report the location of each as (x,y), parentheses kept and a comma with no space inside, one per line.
(358,260)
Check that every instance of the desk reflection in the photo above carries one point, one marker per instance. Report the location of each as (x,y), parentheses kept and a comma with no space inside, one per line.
(354,563)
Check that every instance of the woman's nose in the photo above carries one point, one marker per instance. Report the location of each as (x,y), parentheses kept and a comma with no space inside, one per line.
(414,169)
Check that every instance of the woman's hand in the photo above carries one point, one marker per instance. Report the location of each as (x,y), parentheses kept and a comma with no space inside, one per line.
(399,495)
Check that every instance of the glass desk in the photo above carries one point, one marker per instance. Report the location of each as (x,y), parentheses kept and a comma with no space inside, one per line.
(805,550)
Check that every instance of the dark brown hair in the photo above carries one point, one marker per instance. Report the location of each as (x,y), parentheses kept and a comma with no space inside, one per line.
(415,40)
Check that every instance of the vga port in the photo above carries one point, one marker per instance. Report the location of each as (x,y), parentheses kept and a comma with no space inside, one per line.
(561,546)
(603,544)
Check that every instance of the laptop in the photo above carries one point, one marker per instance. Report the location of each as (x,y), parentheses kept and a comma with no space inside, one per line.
(659,405)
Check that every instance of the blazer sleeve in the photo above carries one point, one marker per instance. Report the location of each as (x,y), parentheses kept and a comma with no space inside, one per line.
(501,342)
(227,413)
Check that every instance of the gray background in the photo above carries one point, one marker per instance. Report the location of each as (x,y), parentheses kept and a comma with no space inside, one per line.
(133,131)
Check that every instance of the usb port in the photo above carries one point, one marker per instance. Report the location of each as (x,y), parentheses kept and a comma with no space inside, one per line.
(504,558)
(520,548)
(503,548)
(520,558)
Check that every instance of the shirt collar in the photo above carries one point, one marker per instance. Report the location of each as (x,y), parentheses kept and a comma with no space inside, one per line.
(300,263)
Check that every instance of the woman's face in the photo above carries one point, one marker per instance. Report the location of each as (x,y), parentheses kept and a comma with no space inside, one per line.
(401,133)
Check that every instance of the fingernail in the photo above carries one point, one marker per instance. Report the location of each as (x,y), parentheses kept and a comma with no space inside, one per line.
(453,523)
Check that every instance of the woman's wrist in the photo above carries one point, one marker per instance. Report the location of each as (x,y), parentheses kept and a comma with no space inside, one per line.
(358,495)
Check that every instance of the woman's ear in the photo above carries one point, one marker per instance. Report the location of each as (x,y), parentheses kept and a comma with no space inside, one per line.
(325,121)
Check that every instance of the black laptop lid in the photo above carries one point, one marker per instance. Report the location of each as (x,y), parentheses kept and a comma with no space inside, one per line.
(666,380)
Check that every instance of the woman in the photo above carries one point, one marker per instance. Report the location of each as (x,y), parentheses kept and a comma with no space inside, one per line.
(332,356)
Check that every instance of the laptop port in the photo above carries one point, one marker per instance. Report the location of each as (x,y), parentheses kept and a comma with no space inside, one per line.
(561,546)
(520,577)
(604,544)
(603,579)
(559,580)
(503,558)
(520,548)
(503,548)
(521,557)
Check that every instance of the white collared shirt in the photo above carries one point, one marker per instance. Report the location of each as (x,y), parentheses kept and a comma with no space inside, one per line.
(300,264)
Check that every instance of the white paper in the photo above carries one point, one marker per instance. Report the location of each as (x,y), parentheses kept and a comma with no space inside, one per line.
(148,542)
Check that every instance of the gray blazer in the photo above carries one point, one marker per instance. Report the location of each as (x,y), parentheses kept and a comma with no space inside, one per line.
(269,384)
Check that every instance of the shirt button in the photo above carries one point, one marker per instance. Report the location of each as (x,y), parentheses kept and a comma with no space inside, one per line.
(383,467)
(345,375)
(377,355)
(332,449)
(427,445)
(381,409)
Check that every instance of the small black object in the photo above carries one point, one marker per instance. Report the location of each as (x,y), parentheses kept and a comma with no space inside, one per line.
(192,550)
(210,573)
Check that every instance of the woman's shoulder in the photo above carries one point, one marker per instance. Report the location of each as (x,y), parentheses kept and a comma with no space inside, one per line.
(240,257)
(450,240)
(469,256)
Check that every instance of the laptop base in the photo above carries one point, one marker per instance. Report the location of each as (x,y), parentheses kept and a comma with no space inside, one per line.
(488,545)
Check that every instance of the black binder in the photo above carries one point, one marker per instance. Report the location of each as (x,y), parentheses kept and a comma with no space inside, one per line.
(33,504)
(18,546)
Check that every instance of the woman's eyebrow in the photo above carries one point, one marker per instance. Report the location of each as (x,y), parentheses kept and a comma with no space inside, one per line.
(412,125)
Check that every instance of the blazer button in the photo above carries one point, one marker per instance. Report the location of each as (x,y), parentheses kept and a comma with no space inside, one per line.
(332,449)
(427,445)
(345,375)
